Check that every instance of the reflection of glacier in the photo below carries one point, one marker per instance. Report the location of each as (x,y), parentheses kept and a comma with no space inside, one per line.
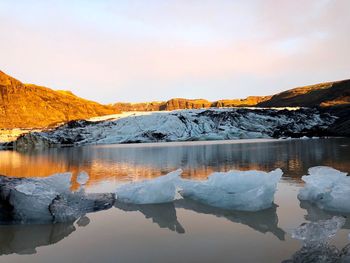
(294,157)
(265,221)
(24,239)
(164,215)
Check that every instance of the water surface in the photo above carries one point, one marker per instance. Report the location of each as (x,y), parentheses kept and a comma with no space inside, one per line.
(182,231)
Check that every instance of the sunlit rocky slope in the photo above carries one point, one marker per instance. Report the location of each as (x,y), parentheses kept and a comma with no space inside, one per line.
(28,106)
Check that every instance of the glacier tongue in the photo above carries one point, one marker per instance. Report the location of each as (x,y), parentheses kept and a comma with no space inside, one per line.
(327,188)
(184,125)
(234,190)
(154,191)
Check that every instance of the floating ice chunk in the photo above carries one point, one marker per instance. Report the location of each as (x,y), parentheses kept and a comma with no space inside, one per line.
(316,248)
(328,188)
(234,190)
(154,191)
(43,200)
(67,208)
(82,178)
(320,231)
(30,198)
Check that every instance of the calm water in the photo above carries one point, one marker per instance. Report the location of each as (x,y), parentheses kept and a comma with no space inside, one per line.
(182,231)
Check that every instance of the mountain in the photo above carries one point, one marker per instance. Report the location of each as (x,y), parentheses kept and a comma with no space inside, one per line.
(29,106)
(181,103)
(328,94)
(324,95)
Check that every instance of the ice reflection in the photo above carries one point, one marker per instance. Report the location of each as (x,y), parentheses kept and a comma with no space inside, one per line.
(164,215)
(265,221)
(314,214)
(24,239)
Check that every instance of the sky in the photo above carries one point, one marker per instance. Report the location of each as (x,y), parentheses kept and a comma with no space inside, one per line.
(151,50)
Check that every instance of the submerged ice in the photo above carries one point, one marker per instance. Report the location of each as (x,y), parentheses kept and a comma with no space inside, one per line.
(327,188)
(235,190)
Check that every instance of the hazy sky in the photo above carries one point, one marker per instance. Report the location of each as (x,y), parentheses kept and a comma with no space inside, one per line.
(146,50)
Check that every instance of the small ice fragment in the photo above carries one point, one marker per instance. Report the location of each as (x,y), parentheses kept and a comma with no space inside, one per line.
(82,178)
(327,188)
(234,190)
(320,231)
(159,190)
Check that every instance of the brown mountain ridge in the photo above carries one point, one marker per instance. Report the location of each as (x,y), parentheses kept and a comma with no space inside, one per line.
(31,106)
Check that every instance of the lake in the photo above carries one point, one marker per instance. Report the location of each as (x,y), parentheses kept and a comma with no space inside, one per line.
(182,231)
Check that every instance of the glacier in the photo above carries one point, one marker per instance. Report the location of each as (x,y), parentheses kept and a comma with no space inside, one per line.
(327,188)
(234,190)
(154,191)
(44,200)
(183,125)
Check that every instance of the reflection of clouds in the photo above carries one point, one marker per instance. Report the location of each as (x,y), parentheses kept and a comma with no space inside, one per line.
(198,161)
(164,215)
(24,239)
(262,221)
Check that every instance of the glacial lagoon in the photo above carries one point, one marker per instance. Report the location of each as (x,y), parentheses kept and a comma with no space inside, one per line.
(181,231)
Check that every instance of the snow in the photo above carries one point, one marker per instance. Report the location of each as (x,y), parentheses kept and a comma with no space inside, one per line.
(327,188)
(154,191)
(234,190)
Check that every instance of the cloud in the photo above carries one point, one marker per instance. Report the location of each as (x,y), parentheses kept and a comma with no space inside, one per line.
(149,50)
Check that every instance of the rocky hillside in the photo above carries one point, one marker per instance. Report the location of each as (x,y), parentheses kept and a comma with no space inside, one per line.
(29,106)
(323,95)
(181,103)
(328,94)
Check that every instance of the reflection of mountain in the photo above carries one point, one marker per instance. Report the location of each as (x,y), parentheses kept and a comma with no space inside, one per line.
(164,215)
(197,161)
(24,239)
(263,221)
(315,214)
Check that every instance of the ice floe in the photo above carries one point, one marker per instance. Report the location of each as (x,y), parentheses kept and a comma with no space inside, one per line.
(50,199)
(327,188)
(154,191)
(234,190)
